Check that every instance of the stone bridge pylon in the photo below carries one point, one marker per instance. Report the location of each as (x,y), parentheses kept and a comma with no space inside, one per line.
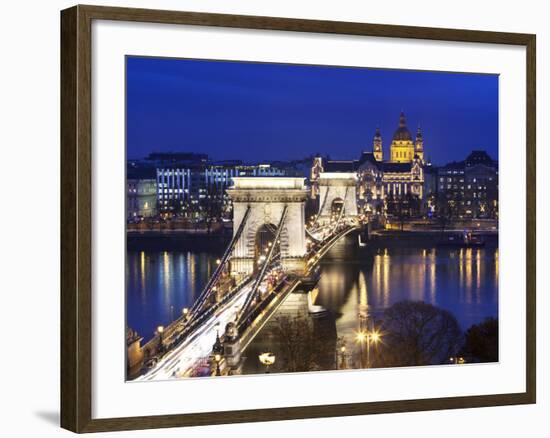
(261,202)
(337,190)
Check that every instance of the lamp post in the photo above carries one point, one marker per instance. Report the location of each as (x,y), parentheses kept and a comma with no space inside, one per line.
(366,337)
(267,359)
(343,357)
(457,360)
(373,337)
(160,331)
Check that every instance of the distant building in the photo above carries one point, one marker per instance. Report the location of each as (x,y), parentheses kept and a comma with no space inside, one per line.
(176,159)
(197,190)
(469,188)
(386,185)
(430,189)
(141,193)
(407,184)
(402,148)
(174,188)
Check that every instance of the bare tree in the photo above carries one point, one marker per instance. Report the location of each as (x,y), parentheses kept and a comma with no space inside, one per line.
(482,341)
(299,348)
(417,333)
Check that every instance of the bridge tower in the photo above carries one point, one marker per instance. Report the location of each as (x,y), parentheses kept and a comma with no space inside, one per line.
(267,197)
(337,188)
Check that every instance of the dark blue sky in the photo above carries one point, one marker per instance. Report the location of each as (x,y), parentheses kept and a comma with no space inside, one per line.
(255,112)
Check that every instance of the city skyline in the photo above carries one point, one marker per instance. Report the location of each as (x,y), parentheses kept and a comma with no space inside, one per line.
(238,269)
(279,112)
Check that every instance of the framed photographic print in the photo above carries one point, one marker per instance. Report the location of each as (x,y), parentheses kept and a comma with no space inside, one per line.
(268,218)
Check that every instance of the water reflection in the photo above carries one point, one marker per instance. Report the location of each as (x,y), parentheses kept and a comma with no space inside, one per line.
(462,280)
(159,284)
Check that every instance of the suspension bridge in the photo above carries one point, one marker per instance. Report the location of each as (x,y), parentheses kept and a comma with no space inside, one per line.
(274,249)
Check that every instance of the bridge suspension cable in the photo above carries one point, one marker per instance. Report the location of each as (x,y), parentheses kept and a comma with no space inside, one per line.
(308,232)
(197,306)
(322,205)
(263,269)
(341,211)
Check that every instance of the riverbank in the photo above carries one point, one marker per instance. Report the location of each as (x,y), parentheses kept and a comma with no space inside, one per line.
(431,235)
(175,240)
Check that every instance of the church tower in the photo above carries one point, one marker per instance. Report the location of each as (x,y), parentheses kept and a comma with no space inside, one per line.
(419,145)
(402,147)
(377,146)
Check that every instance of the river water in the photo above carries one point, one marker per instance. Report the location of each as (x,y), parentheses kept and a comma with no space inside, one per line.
(462,280)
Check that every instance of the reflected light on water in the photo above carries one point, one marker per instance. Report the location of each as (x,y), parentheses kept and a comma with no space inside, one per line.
(432,276)
(443,277)
(191,272)
(469,262)
(367,282)
(478,275)
(142,274)
(461,269)
(378,275)
(496,266)
(181,269)
(386,277)
(166,274)
(363,295)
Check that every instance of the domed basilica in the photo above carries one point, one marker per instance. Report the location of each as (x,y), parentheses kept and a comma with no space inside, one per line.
(384,185)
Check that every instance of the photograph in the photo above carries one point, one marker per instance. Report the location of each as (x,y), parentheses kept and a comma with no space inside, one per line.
(293,218)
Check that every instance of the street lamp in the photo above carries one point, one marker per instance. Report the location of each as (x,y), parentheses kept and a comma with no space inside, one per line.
(343,356)
(374,337)
(457,360)
(267,359)
(160,331)
(217,359)
(185,313)
(361,337)
(366,337)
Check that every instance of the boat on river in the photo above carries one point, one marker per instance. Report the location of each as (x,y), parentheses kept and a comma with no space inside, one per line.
(465,239)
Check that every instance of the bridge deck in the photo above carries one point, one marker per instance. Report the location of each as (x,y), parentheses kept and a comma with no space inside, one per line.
(181,360)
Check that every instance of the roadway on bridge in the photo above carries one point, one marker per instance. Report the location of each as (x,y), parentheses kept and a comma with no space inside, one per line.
(184,359)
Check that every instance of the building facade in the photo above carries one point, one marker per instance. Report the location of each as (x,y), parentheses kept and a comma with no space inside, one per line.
(141,194)
(469,188)
(402,148)
(197,191)
(386,186)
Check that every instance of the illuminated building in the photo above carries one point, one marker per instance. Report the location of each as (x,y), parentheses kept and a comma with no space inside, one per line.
(402,148)
(194,190)
(469,188)
(387,185)
(141,193)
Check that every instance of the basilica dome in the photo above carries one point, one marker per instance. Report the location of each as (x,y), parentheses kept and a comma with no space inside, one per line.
(402,133)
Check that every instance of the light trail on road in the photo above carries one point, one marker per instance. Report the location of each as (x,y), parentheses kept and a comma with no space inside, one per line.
(181,360)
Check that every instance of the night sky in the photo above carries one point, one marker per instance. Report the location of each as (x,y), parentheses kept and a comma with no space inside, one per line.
(260,112)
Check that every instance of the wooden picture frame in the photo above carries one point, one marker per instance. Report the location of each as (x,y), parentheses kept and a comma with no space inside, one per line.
(76,217)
